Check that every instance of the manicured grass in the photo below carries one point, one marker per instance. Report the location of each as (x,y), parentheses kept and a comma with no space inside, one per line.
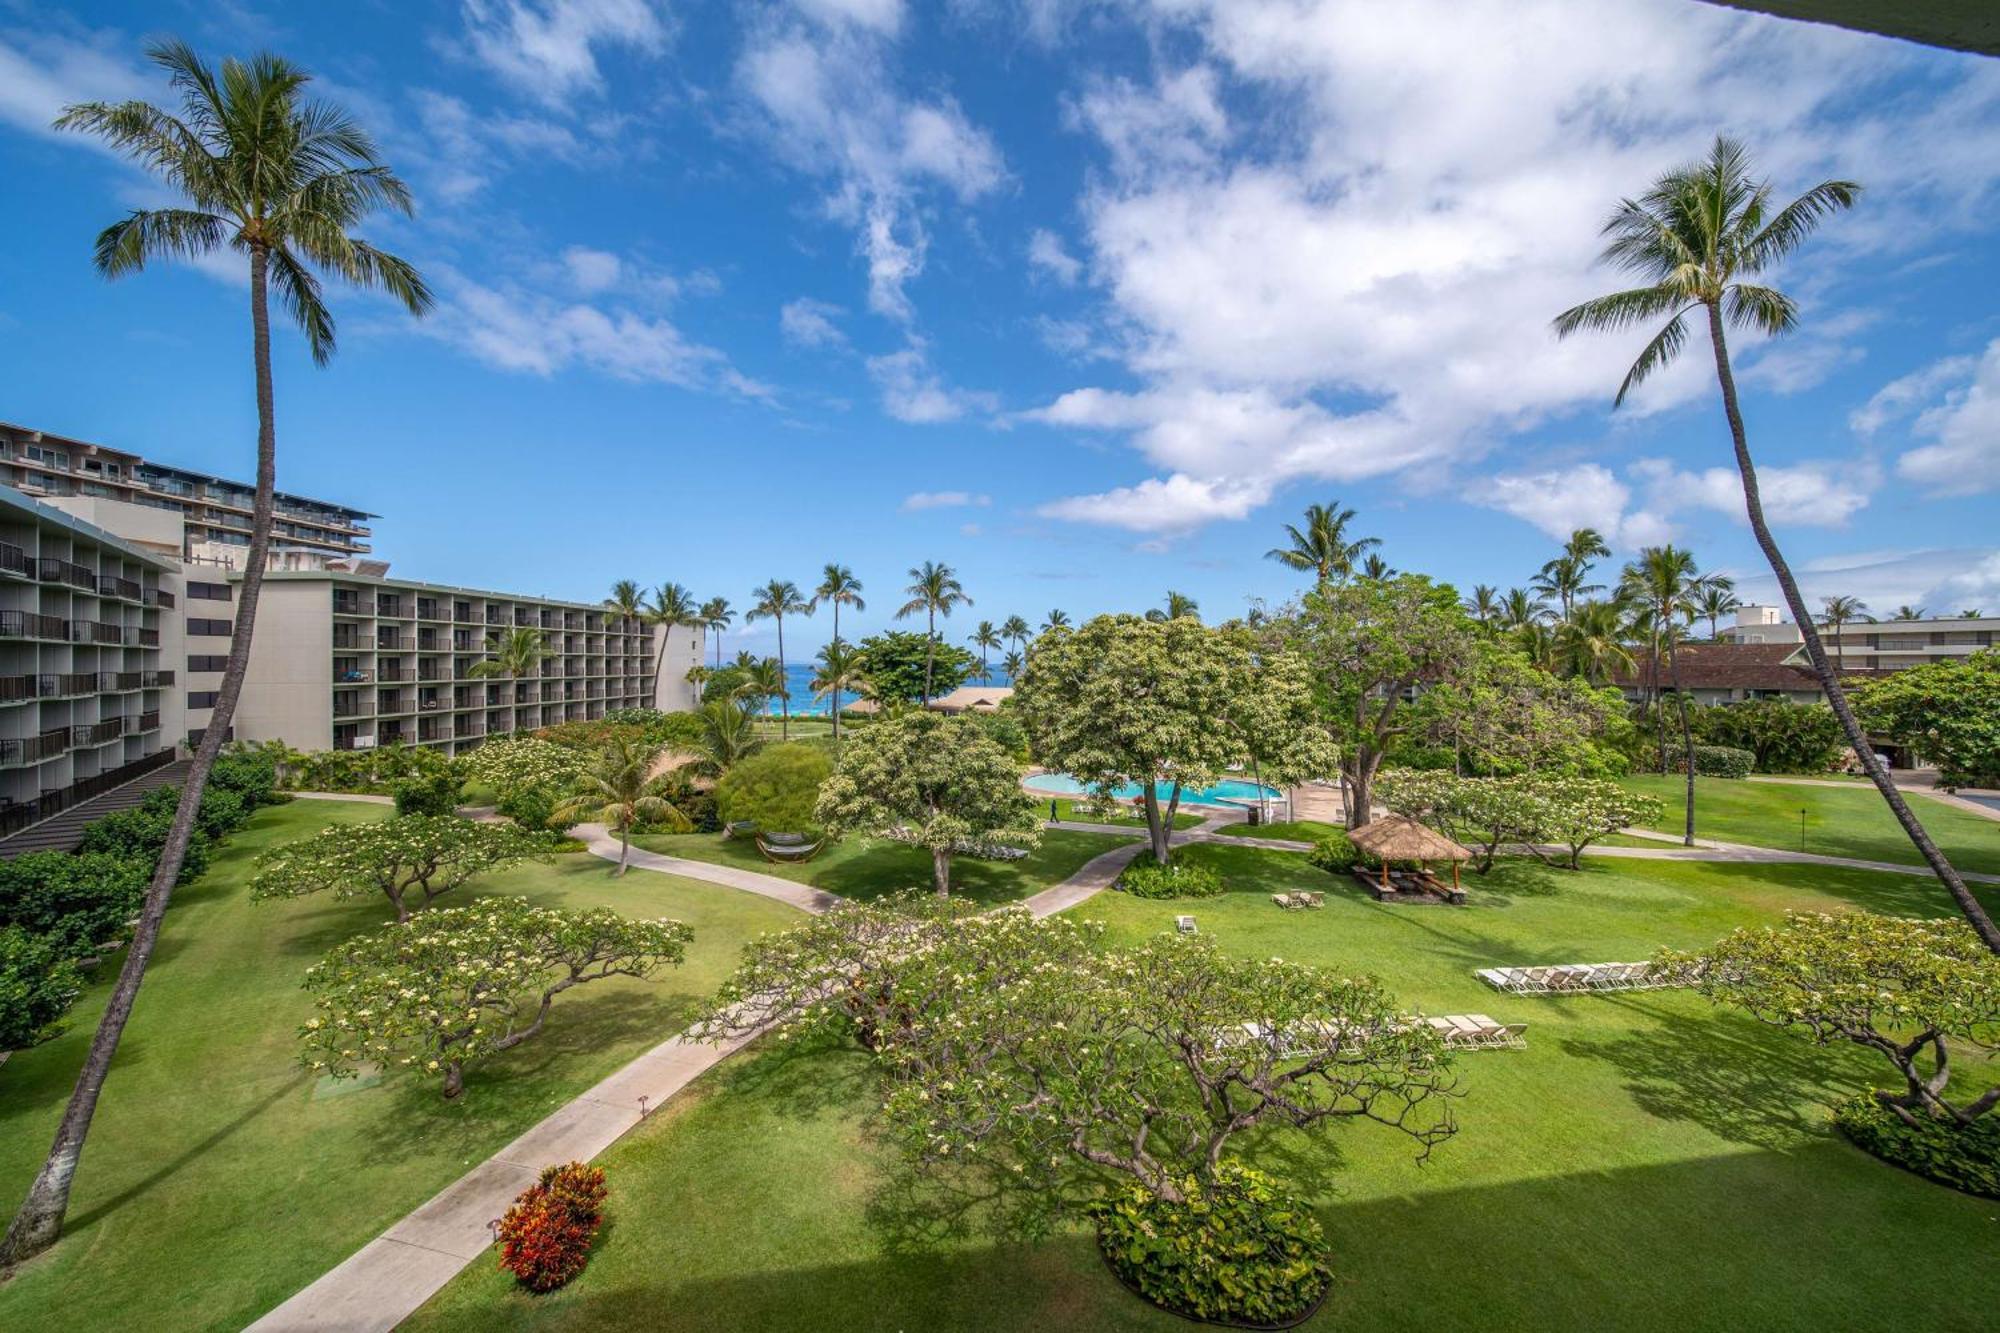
(1294,830)
(219,1179)
(1838,822)
(1647,1162)
(1124,815)
(869,868)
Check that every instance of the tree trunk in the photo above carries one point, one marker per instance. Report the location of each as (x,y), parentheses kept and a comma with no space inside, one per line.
(1361,789)
(1687,738)
(1836,696)
(39,1222)
(1156,828)
(624,847)
(784,686)
(941,871)
(454,1081)
(930,653)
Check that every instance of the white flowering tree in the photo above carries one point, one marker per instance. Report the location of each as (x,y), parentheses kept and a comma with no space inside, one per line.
(461,983)
(1535,812)
(1021,1048)
(1904,989)
(408,857)
(939,782)
(530,776)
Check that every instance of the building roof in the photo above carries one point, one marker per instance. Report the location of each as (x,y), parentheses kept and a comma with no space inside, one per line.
(984,698)
(1725,666)
(1400,838)
(47,513)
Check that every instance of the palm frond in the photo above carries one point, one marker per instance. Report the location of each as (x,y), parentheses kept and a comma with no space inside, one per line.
(156,233)
(1661,351)
(1618,311)
(1794,222)
(1763,308)
(299,291)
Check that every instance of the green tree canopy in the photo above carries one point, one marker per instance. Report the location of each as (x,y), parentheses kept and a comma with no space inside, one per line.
(893,662)
(775,787)
(428,855)
(462,983)
(1948,711)
(939,782)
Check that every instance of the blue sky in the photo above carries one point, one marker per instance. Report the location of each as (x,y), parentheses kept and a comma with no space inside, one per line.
(1084,299)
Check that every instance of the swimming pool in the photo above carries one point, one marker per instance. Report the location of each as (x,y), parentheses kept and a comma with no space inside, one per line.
(1229,789)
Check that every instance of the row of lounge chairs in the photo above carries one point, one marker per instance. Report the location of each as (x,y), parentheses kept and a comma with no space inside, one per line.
(1459,1032)
(1578,977)
(1291,902)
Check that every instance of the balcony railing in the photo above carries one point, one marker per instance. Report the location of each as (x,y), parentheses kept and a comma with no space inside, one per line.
(14,560)
(394,643)
(353,677)
(149,638)
(390,671)
(159,597)
(97,733)
(115,587)
(28,625)
(108,681)
(15,817)
(353,709)
(155,679)
(51,570)
(149,721)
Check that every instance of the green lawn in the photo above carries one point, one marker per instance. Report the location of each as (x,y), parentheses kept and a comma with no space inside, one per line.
(1124,815)
(1838,822)
(218,1178)
(869,868)
(1295,830)
(1647,1162)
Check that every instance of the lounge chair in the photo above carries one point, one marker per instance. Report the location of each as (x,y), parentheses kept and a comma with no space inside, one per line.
(742,828)
(1184,924)
(788,848)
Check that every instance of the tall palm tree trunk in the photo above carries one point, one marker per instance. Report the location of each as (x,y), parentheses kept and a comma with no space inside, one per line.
(39,1222)
(1687,737)
(784,686)
(1836,697)
(930,653)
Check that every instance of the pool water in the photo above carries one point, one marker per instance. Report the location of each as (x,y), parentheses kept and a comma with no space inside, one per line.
(1229,789)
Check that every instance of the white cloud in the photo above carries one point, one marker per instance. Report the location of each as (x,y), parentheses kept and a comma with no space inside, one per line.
(1170,505)
(592,271)
(884,16)
(1560,501)
(1965,427)
(809,323)
(913,392)
(548,48)
(825,99)
(1943,581)
(921,500)
(41,72)
(460,151)
(1808,494)
(1424,196)
(1900,398)
(1047,255)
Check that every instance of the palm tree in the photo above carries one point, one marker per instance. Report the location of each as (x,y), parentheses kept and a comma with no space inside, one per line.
(764,680)
(1483,606)
(673,607)
(1591,643)
(1057,619)
(1012,664)
(1971,613)
(1321,547)
(619,790)
(934,589)
(513,654)
(1536,642)
(1178,604)
(1908,612)
(1695,237)
(1521,607)
(627,601)
(1565,579)
(776,600)
(280,181)
(838,588)
(1376,568)
(1714,599)
(985,638)
(716,617)
(1837,615)
(840,672)
(1664,581)
(728,734)
(1016,631)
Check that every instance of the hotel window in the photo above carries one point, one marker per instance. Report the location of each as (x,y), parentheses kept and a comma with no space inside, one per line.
(207,662)
(1891,645)
(203,698)
(210,592)
(218,628)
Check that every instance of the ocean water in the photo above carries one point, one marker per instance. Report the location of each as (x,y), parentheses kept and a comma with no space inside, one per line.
(798,679)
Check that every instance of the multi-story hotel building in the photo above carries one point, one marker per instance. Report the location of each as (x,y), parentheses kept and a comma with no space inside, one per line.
(86,621)
(1871,645)
(215,513)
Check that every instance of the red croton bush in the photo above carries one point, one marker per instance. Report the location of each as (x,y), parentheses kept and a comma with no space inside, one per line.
(545,1237)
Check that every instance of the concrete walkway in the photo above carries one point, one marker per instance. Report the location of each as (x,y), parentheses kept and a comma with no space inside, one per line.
(1736,851)
(802,896)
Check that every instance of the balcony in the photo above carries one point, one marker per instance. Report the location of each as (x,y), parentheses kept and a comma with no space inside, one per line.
(14,560)
(111,681)
(352,643)
(109,634)
(114,587)
(97,733)
(394,643)
(348,605)
(159,597)
(390,671)
(391,607)
(524,618)
(353,677)
(149,638)
(156,679)
(51,570)
(353,708)
(149,721)
(28,625)
(428,610)
(430,705)
(468,728)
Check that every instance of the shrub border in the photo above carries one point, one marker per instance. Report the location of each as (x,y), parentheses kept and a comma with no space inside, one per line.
(1840,1124)
(1326,1290)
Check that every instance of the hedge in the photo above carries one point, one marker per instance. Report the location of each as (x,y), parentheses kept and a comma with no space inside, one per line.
(1722,761)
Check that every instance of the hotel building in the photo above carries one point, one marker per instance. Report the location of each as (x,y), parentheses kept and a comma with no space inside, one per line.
(86,622)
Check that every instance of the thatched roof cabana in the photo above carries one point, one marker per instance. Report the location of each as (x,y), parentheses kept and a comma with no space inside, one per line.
(1400,838)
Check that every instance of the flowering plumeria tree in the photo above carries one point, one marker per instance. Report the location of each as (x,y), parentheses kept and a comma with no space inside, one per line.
(1022,1049)
(1902,988)
(422,856)
(519,767)
(1487,814)
(938,782)
(461,983)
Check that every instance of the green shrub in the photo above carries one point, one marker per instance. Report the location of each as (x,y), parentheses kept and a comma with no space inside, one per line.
(251,773)
(372,771)
(1963,1157)
(76,902)
(1784,737)
(530,807)
(432,793)
(1722,761)
(1239,1248)
(775,788)
(1336,854)
(1147,878)
(141,832)
(38,984)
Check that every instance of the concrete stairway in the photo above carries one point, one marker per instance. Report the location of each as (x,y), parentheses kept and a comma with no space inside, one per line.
(62,832)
